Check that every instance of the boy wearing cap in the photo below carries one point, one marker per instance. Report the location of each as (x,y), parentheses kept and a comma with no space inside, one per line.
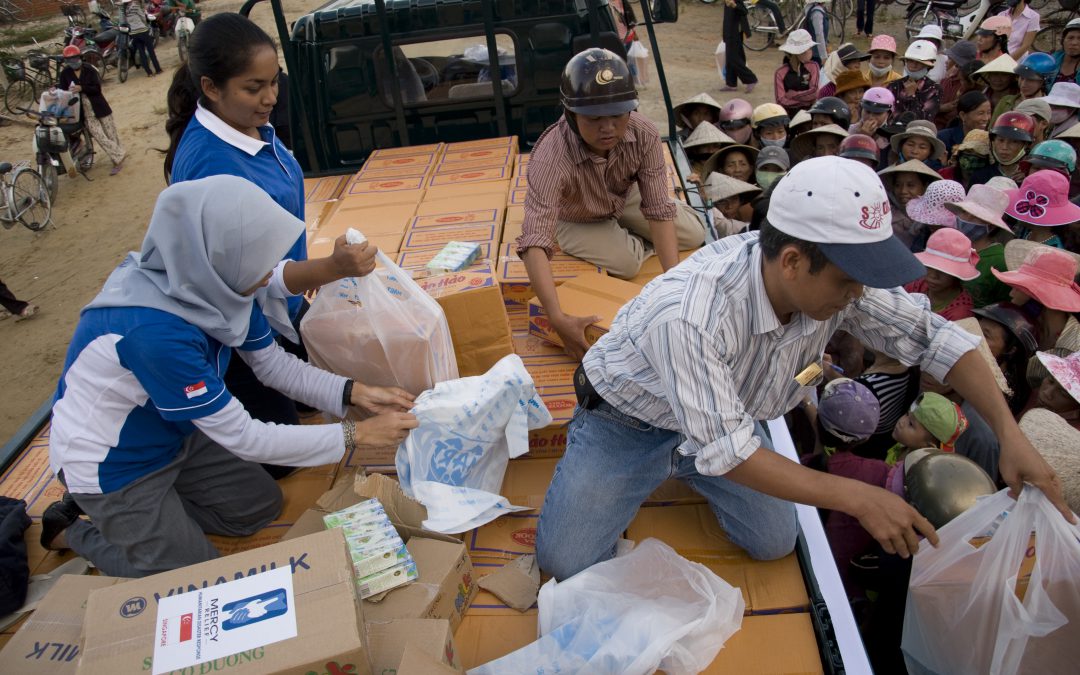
(598,188)
(733,336)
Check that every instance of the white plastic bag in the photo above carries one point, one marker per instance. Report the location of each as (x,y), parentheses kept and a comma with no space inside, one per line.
(637,51)
(720,56)
(963,616)
(454,462)
(381,329)
(648,609)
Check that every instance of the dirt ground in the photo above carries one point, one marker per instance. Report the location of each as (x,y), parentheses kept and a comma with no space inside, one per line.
(95,223)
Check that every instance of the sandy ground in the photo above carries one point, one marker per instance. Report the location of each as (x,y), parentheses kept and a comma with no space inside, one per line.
(95,223)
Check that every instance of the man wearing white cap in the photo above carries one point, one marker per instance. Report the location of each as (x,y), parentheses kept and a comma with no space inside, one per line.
(735,335)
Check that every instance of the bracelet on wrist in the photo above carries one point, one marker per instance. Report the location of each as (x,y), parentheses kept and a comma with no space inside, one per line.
(346,394)
(348,429)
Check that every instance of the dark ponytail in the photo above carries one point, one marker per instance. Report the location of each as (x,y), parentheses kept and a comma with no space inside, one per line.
(220,48)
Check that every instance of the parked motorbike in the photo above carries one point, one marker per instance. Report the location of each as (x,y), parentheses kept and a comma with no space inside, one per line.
(60,130)
(946,13)
(162,21)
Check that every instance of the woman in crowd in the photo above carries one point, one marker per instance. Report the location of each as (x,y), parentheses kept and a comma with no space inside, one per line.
(874,112)
(146,435)
(770,122)
(1042,205)
(919,141)
(1010,139)
(968,158)
(850,87)
(705,141)
(903,183)
(735,120)
(1040,111)
(1024,23)
(1011,338)
(820,142)
(955,84)
(1064,102)
(979,217)
(1033,77)
(693,111)
(844,60)
(945,273)
(915,93)
(132,14)
(882,61)
(972,112)
(796,80)
(84,80)
(928,212)
(1001,86)
(1068,57)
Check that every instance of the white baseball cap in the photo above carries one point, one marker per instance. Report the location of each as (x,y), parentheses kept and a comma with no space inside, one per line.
(841,205)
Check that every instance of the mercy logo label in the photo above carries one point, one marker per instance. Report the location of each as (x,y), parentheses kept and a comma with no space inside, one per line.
(254,609)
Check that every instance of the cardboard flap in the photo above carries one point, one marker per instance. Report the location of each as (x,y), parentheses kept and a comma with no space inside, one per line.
(402,509)
(516,583)
(415,661)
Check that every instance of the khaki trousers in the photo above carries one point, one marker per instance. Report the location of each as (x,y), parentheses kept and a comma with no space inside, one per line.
(622,245)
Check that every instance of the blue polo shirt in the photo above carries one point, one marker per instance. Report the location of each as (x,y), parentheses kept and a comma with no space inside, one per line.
(210,147)
(133,381)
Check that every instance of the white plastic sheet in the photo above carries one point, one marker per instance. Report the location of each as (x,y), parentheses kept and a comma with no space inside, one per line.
(454,462)
(645,610)
(963,616)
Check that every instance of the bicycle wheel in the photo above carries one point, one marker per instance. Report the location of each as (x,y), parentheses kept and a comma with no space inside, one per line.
(19,94)
(764,26)
(836,32)
(52,182)
(93,58)
(31,200)
(919,19)
(843,8)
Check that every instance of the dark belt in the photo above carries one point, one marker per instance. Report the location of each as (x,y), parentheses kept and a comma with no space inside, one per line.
(587,397)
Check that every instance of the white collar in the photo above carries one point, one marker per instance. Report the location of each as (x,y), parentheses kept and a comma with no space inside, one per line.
(222,130)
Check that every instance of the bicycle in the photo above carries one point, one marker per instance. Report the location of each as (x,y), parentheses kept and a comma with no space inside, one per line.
(24,197)
(28,77)
(1048,39)
(768,22)
(12,11)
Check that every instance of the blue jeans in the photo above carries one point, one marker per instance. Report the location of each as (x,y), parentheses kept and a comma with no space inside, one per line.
(613,462)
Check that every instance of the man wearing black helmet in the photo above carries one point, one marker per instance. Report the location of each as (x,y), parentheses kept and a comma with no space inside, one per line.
(598,188)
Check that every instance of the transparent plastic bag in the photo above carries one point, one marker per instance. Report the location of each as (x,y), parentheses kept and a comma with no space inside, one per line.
(381,329)
(648,609)
(963,614)
(455,461)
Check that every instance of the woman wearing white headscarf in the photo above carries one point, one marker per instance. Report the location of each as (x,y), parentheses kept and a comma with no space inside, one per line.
(145,435)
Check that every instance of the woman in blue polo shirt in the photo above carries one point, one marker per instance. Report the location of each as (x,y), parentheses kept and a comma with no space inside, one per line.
(146,435)
(219,123)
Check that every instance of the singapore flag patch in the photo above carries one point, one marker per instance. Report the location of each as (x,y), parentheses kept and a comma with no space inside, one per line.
(193,390)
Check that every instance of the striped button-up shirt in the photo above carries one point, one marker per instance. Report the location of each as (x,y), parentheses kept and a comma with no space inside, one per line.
(567,182)
(702,352)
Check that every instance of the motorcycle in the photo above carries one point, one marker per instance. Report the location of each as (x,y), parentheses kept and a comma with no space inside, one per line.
(946,13)
(162,21)
(53,137)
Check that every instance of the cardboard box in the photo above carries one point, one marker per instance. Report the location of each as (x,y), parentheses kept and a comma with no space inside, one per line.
(414,661)
(437,237)
(520,182)
(500,155)
(371,220)
(459,204)
(322,244)
(768,587)
(510,232)
(470,176)
(390,639)
(315,214)
(407,190)
(498,142)
(476,316)
(503,539)
(392,172)
(514,278)
(493,162)
(417,260)
(374,460)
(651,268)
(554,380)
(48,642)
(583,296)
(433,149)
(518,315)
(526,345)
(517,197)
(120,628)
(323,189)
(457,219)
(498,188)
(418,160)
(766,645)
(482,639)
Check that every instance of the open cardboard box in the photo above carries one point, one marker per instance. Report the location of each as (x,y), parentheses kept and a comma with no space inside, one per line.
(583,296)
(392,640)
(445,587)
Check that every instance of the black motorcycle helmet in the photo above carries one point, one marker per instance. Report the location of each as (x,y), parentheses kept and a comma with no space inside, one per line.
(596,82)
(834,108)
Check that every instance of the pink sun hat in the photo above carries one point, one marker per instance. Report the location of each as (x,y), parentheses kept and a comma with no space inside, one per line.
(983,204)
(1065,369)
(950,251)
(1043,199)
(930,208)
(1047,274)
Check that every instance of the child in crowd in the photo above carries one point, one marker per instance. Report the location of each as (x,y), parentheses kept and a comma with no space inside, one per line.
(954,84)
(895,386)
(929,212)
(1064,101)
(829,110)
(1060,389)
(695,110)
(770,122)
(916,93)
(846,59)
(861,148)
(945,249)
(882,61)
(1010,336)
(1010,138)
(919,141)
(796,80)
(728,195)
(819,142)
(979,218)
(1000,80)
(932,422)
(735,119)
(874,112)
(972,111)
(1042,204)
(903,183)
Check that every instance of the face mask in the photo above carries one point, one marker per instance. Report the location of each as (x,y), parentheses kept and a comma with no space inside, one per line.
(917,75)
(776,143)
(74,64)
(973,231)
(1059,115)
(971,162)
(766,178)
(880,71)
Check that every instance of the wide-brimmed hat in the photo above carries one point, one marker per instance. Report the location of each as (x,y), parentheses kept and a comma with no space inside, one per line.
(916,166)
(1065,369)
(716,160)
(962,53)
(971,325)
(841,205)
(802,117)
(1072,132)
(883,43)
(798,41)
(1064,95)
(1002,64)
(983,204)
(930,208)
(700,99)
(706,134)
(1045,273)
(848,53)
(949,251)
(1059,444)
(719,187)
(773,155)
(976,141)
(920,129)
(1036,107)
(1043,199)
(1002,184)
(803,145)
(851,79)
